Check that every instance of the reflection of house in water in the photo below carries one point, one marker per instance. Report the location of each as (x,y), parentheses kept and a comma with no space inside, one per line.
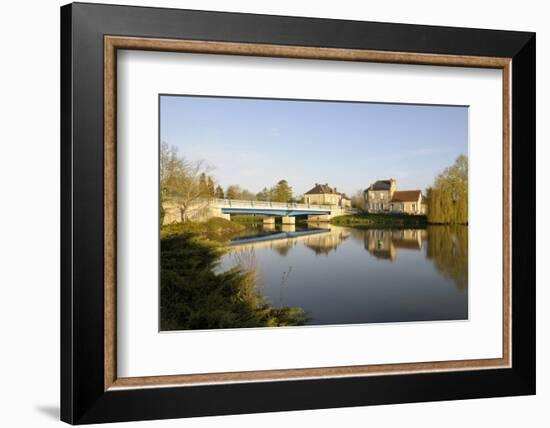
(280,241)
(321,240)
(383,243)
(326,242)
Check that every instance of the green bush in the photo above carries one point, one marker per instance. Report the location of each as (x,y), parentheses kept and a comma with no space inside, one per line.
(214,228)
(195,296)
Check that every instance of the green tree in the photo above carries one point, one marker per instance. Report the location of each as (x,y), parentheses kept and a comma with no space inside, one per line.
(282,192)
(233,192)
(358,200)
(448,197)
(202,183)
(219,192)
(245,195)
(237,192)
(210,186)
(264,195)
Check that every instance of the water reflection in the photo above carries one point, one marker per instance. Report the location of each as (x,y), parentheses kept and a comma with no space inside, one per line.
(448,248)
(379,275)
(329,241)
(383,243)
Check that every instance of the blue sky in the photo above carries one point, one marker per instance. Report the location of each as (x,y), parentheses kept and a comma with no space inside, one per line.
(256,142)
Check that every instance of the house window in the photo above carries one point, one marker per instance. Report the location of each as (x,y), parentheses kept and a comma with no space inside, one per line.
(381,196)
(414,207)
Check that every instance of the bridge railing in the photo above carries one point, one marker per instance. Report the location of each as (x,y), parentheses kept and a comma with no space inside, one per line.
(237,203)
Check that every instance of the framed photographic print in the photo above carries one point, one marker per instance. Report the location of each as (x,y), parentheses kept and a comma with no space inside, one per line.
(266,213)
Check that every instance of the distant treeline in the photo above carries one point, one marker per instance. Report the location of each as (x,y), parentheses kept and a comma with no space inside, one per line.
(280,192)
(187,182)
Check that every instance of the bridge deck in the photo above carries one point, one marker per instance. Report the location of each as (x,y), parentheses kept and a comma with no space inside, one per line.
(233,206)
(274,212)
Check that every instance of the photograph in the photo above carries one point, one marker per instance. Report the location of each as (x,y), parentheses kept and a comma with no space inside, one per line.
(300,213)
(298,210)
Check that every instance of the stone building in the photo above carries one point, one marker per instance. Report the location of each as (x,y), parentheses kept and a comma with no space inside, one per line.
(323,194)
(383,197)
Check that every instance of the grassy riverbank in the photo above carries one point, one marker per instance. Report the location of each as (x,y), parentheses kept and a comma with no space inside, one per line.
(248,219)
(370,220)
(195,296)
(216,229)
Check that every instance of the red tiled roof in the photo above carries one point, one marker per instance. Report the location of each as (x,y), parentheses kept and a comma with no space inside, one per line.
(406,195)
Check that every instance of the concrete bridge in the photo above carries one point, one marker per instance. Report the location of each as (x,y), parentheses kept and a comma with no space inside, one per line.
(205,209)
(287,210)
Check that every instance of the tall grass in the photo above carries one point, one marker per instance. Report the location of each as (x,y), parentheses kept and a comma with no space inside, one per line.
(195,296)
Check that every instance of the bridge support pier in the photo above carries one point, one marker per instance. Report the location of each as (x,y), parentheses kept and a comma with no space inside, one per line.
(289,220)
(269,220)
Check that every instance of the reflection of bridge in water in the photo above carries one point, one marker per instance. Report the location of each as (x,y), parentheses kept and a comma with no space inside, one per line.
(380,243)
(262,237)
(321,240)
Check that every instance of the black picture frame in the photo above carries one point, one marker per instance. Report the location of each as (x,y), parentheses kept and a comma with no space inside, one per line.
(83,398)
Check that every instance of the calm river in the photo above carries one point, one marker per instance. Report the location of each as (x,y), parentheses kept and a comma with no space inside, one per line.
(342,275)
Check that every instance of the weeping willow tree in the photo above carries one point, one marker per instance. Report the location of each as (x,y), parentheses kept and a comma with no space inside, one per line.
(448,197)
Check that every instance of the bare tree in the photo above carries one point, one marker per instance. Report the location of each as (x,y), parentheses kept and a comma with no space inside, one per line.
(191,196)
(180,182)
